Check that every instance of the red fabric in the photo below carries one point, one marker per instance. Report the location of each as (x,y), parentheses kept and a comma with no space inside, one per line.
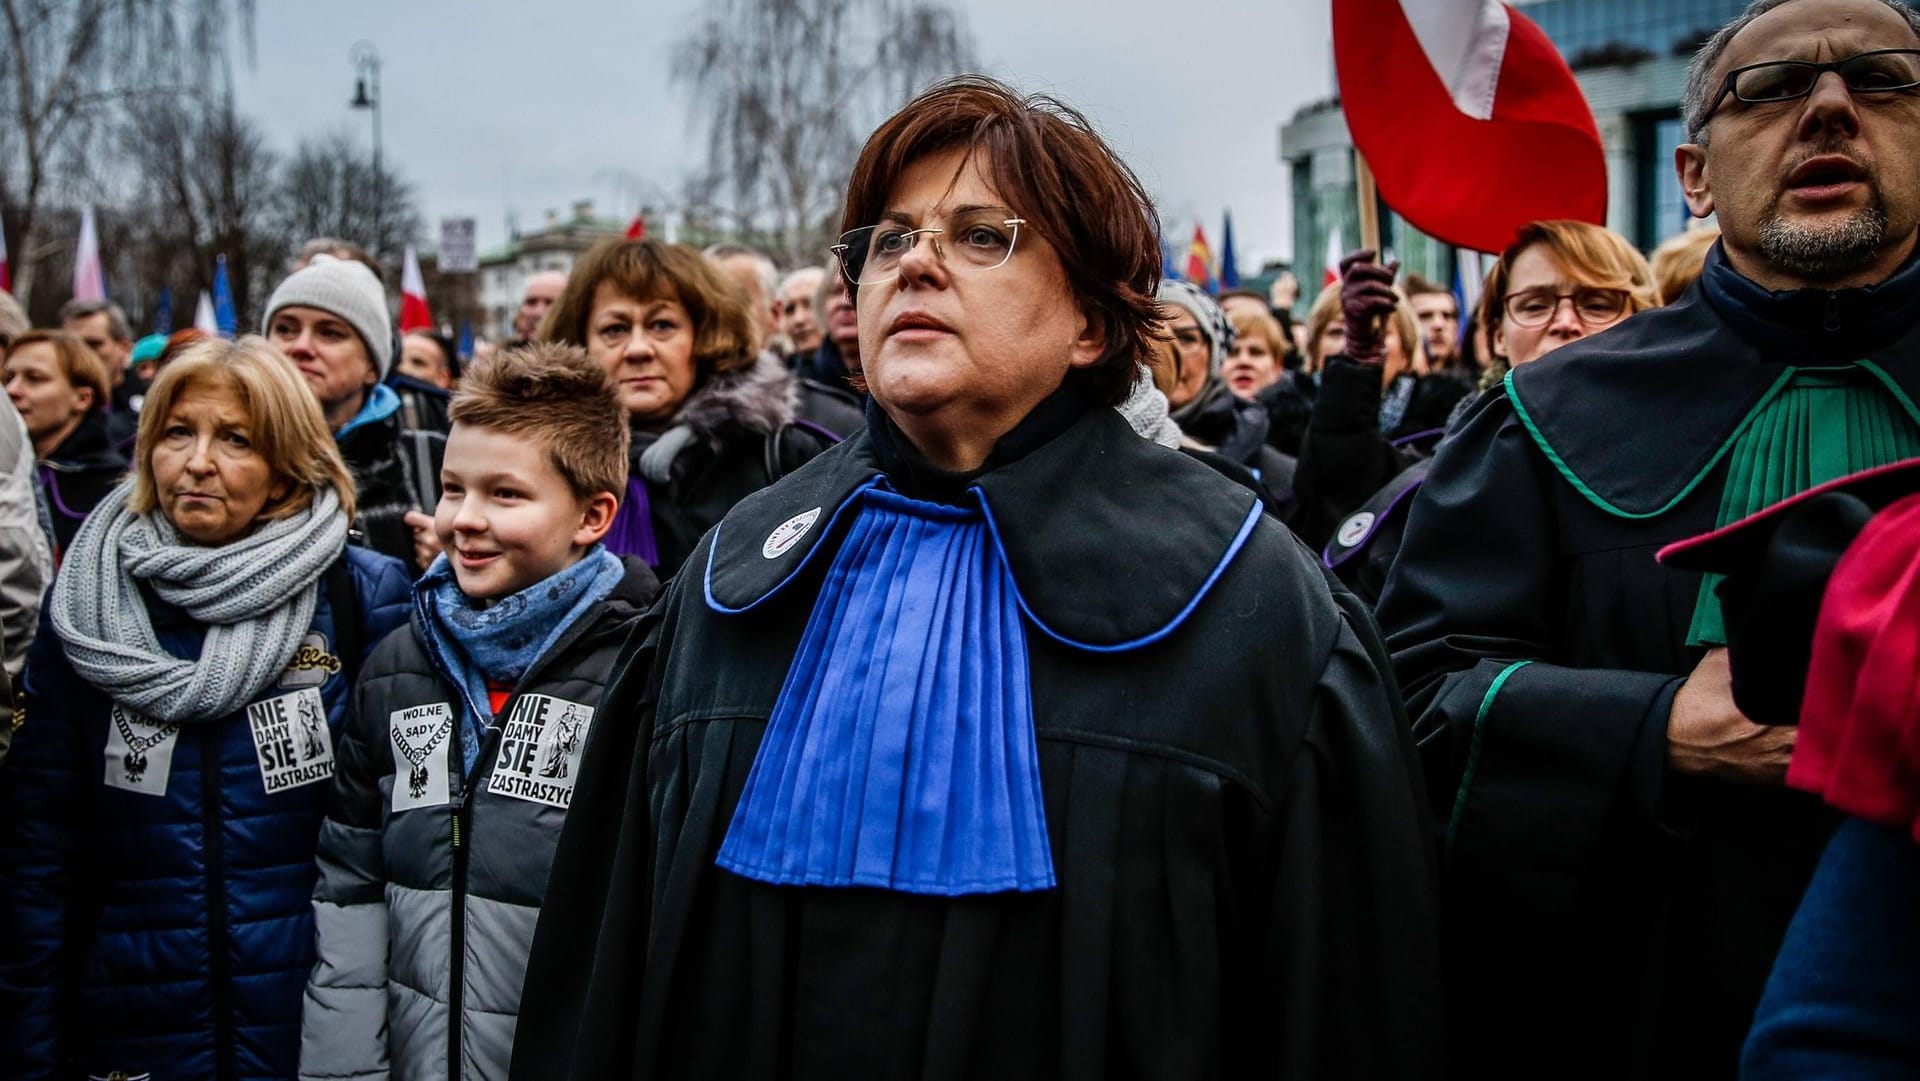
(497,695)
(1859,742)
(414,314)
(1467,181)
(637,229)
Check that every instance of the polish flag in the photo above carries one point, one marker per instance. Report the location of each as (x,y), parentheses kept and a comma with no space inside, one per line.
(1470,119)
(89,281)
(637,228)
(1332,274)
(414,314)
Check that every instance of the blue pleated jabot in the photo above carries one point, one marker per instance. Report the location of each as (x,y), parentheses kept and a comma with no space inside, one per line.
(901,752)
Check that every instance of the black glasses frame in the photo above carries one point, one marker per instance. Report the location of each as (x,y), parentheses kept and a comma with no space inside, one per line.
(1727,85)
(1506,304)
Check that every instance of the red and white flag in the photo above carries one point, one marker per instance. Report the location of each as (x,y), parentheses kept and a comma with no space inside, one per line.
(414,314)
(1470,119)
(89,280)
(204,320)
(1331,276)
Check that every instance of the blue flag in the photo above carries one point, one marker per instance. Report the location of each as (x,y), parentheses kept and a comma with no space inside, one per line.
(1229,273)
(223,315)
(465,348)
(1169,270)
(163,312)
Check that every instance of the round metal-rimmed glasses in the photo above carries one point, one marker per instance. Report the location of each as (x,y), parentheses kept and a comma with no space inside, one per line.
(973,239)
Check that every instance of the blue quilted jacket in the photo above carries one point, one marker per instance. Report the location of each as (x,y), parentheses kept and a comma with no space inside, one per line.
(155,885)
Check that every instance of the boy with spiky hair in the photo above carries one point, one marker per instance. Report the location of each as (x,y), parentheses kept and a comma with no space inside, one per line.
(457,772)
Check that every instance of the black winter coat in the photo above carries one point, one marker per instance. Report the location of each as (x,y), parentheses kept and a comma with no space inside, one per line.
(395,470)
(79,474)
(1345,458)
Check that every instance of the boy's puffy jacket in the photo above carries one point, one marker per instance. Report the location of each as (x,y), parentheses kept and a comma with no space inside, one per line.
(431,881)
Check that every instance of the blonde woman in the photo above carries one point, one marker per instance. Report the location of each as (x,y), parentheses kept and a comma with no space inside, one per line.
(161,812)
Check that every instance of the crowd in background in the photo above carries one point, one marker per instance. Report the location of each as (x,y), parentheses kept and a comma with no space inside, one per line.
(1178,687)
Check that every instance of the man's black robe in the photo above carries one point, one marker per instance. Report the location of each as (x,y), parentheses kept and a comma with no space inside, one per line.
(1234,812)
(1603,916)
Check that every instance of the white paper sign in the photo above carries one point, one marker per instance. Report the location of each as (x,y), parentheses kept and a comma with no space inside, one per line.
(419,735)
(540,749)
(291,738)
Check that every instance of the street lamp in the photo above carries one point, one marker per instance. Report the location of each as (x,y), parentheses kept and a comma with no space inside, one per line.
(366,95)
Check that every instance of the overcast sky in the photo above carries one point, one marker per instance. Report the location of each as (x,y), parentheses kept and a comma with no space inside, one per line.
(495,107)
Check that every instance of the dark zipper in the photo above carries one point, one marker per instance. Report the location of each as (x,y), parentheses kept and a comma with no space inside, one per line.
(1833,313)
(220,964)
(457,963)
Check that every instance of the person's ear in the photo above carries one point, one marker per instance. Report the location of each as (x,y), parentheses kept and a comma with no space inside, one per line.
(596,518)
(84,396)
(1089,345)
(1690,163)
(1497,340)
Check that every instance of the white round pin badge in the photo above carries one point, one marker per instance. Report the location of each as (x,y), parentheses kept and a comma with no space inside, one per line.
(1354,529)
(788,533)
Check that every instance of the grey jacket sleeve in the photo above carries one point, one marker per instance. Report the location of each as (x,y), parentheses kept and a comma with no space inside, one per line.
(343,1029)
(26,563)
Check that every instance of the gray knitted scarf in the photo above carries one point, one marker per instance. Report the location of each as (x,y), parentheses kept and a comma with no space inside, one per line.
(256,596)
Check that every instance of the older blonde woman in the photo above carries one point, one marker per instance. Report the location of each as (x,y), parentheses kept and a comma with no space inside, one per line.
(161,812)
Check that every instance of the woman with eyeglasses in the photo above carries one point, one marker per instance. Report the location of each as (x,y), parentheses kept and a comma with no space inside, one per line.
(711,422)
(998,741)
(1558,282)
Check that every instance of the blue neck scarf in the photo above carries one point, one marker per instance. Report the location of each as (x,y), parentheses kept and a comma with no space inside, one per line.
(500,642)
(901,752)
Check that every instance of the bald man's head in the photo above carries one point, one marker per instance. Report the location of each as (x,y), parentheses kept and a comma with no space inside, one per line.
(542,290)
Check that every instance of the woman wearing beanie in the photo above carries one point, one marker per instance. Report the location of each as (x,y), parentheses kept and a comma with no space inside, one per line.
(1207,411)
(160,815)
(330,318)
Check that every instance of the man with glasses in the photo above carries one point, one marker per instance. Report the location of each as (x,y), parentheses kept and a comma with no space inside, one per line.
(1622,857)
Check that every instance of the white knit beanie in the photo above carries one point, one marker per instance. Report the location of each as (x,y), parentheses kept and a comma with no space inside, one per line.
(344,288)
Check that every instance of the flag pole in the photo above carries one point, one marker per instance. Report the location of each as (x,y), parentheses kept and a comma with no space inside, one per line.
(1369,200)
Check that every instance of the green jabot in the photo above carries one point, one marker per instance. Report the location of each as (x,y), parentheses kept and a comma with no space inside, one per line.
(1816,425)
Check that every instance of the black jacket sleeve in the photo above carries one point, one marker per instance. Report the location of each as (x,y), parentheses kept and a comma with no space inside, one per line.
(1528,759)
(1354,930)
(1344,458)
(589,949)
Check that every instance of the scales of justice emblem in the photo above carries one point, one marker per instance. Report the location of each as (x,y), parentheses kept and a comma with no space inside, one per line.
(417,756)
(566,740)
(135,760)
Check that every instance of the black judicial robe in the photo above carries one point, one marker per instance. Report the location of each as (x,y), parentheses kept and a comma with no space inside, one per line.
(1234,812)
(1602,916)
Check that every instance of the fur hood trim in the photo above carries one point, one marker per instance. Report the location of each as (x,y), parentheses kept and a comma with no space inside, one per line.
(761,398)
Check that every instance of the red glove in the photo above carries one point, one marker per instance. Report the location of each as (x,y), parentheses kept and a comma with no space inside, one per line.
(1367,300)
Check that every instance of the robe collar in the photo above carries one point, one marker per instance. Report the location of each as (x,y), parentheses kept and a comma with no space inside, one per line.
(1112,541)
(1636,417)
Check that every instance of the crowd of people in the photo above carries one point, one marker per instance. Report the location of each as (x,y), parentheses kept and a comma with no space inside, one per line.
(975,656)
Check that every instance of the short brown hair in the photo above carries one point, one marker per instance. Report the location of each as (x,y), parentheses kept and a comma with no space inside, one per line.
(1595,258)
(1326,309)
(1678,261)
(1252,324)
(555,395)
(1044,158)
(1414,285)
(79,363)
(284,422)
(723,333)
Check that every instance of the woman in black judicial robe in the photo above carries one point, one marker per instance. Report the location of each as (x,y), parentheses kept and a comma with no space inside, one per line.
(996,741)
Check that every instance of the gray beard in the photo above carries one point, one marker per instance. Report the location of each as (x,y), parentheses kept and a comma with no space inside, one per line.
(1823,253)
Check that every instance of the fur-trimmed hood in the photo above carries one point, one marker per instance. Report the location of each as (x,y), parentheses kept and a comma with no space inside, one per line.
(760,398)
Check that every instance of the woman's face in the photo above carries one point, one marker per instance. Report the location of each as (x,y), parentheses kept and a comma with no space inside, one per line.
(843,321)
(1191,347)
(958,354)
(646,348)
(1535,268)
(49,404)
(330,355)
(1251,367)
(209,480)
(1332,342)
